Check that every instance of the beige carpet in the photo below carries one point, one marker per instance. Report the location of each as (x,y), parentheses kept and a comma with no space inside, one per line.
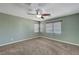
(39,46)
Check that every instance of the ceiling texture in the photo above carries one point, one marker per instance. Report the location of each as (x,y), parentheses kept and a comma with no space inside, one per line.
(55,9)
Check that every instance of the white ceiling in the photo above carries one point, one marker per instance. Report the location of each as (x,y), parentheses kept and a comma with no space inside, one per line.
(55,9)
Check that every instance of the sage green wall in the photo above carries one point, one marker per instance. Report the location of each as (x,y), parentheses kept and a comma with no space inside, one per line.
(69,28)
(14,28)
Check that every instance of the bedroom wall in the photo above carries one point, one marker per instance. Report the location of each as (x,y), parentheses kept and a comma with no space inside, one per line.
(69,29)
(14,28)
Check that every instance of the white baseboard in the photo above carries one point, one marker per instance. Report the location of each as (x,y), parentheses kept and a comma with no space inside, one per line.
(37,37)
(61,41)
(18,41)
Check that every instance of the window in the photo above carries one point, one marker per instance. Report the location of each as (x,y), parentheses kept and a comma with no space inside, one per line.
(36,27)
(54,27)
(57,27)
(49,28)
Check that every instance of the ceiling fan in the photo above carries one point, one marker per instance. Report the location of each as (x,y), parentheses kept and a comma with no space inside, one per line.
(39,13)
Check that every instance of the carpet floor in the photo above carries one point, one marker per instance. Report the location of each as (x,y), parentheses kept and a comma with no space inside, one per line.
(39,46)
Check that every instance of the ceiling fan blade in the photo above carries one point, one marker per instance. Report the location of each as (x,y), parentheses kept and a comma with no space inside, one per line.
(42,17)
(31,14)
(46,14)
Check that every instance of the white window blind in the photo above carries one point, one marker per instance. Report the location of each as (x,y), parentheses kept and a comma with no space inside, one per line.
(36,27)
(57,27)
(49,28)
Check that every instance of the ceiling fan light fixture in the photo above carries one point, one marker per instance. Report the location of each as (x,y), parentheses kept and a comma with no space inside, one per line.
(38,16)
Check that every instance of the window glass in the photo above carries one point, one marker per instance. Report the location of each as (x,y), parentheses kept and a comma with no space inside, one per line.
(57,27)
(36,27)
(49,28)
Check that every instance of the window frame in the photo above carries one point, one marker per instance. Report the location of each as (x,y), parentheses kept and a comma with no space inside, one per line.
(53,26)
